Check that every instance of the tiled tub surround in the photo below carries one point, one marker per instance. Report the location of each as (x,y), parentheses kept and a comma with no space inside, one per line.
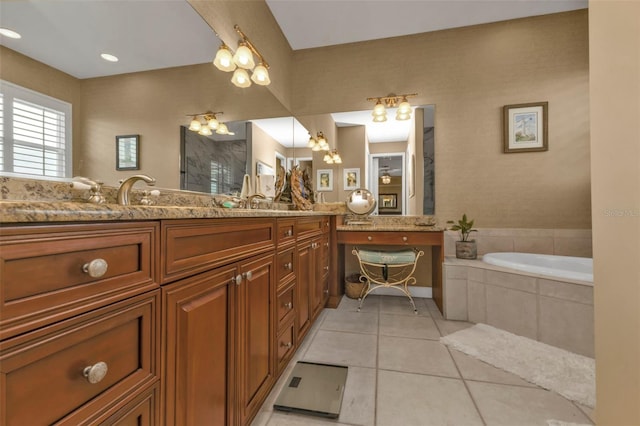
(561,242)
(552,311)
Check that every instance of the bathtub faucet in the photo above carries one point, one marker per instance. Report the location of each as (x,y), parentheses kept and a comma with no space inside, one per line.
(127,184)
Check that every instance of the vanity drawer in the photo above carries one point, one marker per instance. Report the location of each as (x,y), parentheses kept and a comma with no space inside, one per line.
(48,271)
(286,304)
(286,232)
(307,227)
(399,238)
(285,266)
(193,246)
(43,372)
(286,344)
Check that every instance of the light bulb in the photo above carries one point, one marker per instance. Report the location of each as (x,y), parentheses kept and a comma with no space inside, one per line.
(402,117)
(195,124)
(205,131)
(326,157)
(316,148)
(243,57)
(261,75)
(337,159)
(379,109)
(404,107)
(222,129)
(241,78)
(312,142)
(224,60)
(380,118)
(213,123)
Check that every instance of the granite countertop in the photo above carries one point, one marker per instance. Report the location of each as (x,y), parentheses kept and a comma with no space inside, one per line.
(62,211)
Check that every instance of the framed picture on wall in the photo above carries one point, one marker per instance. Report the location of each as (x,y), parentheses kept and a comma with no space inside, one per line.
(128,152)
(525,127)
(351,179)
(264,169)
(388,201)
(324,180)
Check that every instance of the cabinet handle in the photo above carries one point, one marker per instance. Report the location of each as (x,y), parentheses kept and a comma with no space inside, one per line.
(237,279)
(404,238)
(369,238)
(247,275)
(288,305)
(96,268)
(326,291)
(326,244)
(286,345)
(96,372)
(288,233)
(288,266)
(326,268)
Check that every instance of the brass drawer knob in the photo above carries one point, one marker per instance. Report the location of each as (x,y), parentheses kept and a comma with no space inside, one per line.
(404,238)
(369,238)
(96,372)
(288,233)
(287,345)
(288,266)
(96,268)
(288,305)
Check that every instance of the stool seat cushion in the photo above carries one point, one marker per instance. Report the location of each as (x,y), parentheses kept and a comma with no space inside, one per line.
(387,257)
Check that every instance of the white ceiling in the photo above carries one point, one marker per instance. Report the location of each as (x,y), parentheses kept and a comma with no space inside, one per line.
(70,35)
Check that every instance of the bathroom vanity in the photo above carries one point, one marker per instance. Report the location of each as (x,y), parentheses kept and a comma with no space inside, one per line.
(153,315)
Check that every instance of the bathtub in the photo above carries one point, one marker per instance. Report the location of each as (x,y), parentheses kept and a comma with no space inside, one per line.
(567,267)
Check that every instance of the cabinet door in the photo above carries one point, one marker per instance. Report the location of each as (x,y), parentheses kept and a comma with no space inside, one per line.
(324,260)
(256,331)
(305,281)
(317,289)
(197,348)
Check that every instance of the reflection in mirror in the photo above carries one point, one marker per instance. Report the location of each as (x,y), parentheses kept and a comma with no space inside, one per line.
(214,164)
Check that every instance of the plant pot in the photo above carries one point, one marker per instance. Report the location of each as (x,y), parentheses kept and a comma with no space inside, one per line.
(466,250)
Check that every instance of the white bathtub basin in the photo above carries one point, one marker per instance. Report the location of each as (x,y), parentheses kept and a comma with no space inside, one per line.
(573,268)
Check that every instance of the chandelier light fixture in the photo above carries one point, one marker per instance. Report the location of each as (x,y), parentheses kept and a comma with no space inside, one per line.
(242,61)
(319,143)
(391,101)
(205,123)
(332,157)
(385,178)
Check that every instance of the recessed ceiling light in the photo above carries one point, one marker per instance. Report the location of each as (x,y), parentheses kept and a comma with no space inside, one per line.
(108,57)
(9,33)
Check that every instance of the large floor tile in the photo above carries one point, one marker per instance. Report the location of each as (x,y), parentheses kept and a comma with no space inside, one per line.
(399,305)
(291,419)
(352,349)
(418,400)
(418,327)
(371,304)
(474,369)
(355,322)
(447,327)
(359,400)
(522,406)
(415,356)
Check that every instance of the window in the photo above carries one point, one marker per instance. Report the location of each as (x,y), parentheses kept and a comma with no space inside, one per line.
(221,178)
(36,133)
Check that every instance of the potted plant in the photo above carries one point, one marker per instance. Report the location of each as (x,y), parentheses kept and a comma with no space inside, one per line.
(465,248)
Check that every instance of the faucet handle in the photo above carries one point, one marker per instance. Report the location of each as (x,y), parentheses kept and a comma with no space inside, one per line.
(85,184)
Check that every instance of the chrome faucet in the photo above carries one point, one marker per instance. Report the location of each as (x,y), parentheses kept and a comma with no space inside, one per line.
(126,184)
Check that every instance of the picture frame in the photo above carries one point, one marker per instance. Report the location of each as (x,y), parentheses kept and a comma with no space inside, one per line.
(264,169)
(351,179)
(128,152)
(525,127)
(388,201)
(324,180)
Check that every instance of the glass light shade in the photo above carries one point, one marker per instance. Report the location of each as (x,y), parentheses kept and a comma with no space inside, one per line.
(329,161)
(311,143)
(386,179)
(404,107)
(380,118)
(213,123)
(327,157)
(337,159)
(379,109)
(260,75)
(195,125)
(402,117)
(244,58)
(241,78)
(205,131)
(224,59)
(222,129)
(316,148)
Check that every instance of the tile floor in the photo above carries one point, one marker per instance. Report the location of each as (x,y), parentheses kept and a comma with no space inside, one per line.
(401,375)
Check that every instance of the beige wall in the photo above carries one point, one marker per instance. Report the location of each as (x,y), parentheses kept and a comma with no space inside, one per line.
(614,36)
(469,74)
(263,148)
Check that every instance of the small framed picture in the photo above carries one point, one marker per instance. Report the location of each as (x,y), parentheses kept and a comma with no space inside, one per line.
(324,180)
(525,127)
(351,179)
(264,168)
(388,201)
(128,152)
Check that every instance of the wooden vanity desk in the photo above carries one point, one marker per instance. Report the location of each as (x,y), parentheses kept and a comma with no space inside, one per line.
(394,235)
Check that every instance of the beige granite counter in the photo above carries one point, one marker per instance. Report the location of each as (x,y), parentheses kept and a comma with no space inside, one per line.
(57,211)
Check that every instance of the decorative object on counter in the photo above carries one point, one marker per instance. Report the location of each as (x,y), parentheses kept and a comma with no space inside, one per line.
(525,127)
(302,198)
(324,180)
(281,178)
(210,125)
(465,248)
(86,184)
(128,152)
(361,203)
(391,101)
(242,61)
(351,179)
(126,184)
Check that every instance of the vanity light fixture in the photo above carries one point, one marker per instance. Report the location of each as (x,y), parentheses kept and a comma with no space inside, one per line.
(391,101)
(206,122)
(319,143)
(243,61)
(332,157)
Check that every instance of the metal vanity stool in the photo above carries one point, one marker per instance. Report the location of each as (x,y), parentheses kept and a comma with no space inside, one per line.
(387,269)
